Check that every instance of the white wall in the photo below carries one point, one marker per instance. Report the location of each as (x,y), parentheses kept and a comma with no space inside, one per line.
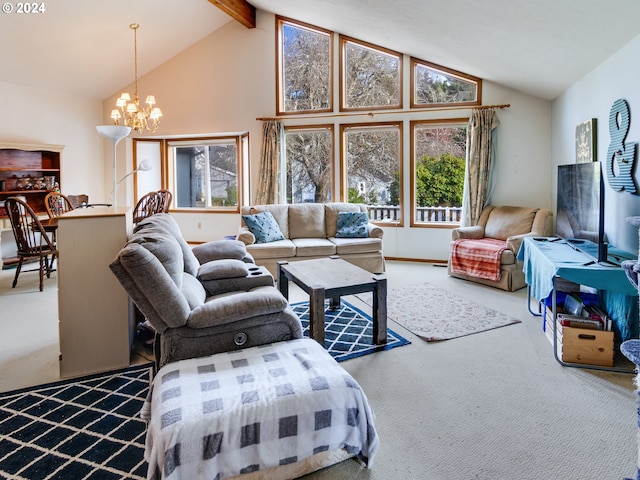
(592,97)
(227,80)
(35,116)
(222,84)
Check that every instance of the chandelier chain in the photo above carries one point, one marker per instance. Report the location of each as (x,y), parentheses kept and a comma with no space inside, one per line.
(135,26)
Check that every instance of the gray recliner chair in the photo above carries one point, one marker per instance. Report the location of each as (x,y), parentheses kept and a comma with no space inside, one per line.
(200,301)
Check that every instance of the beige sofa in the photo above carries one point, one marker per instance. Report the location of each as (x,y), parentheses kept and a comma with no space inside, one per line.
(510,224)
(310,232)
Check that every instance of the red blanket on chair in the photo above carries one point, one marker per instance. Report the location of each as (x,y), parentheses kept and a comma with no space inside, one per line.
(478,258)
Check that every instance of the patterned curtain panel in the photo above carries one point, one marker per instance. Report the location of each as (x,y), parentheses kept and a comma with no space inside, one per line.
(269,163)
(480,157)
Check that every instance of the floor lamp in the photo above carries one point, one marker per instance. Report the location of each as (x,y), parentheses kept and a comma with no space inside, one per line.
(114,133)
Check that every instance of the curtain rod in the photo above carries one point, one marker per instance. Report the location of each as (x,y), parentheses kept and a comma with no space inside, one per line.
(373,114)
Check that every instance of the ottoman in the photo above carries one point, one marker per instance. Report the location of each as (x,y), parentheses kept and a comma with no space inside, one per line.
(274,411)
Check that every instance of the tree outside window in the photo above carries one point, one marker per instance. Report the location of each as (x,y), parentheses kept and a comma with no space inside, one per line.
(438,167)
(371,76)
(372,158)
(304,82)
(434,86)
(309,161)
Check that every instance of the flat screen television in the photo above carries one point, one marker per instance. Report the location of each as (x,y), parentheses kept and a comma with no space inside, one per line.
(580,217)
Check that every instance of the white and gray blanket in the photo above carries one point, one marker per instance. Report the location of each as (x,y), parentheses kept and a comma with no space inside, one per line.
(244,411)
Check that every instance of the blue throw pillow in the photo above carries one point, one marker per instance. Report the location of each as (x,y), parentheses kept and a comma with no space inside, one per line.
(352,225)
(264,227)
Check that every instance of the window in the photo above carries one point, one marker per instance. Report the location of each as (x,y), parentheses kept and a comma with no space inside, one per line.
(372,166)
(432,85)
(371,77)
(309,164)
(438,160)
(205,172)
(305,68)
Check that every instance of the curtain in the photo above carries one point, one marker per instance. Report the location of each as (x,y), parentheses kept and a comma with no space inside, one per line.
(480,161)
(269,163)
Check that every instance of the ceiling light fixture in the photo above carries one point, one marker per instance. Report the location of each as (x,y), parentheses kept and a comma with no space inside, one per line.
(130,112)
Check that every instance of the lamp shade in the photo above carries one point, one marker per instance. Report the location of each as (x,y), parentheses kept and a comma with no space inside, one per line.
(115,133)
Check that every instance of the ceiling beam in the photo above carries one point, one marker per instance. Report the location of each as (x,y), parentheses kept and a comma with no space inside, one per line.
(239,10)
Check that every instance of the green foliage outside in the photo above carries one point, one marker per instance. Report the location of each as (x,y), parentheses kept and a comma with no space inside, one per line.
(440,181)
(354,196)
(230,200)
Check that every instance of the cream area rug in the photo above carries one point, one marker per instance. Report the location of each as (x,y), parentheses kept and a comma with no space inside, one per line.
(436,314)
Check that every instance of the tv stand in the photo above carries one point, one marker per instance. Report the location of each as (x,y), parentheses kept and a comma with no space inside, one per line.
(546,259)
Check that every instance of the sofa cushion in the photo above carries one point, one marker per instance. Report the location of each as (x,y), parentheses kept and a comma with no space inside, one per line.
(193,290)
(234,306)
(346,246)
(278,249)
(504,222)
(279,211)
(306,220)
(227,268)
(220,249)
(153,286)
(313,247)
(165,248)
(352,225)
(331,211)
(264,227)
(168,224)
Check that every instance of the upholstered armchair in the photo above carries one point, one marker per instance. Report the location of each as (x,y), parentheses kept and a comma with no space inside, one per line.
(487,252)
(200,301)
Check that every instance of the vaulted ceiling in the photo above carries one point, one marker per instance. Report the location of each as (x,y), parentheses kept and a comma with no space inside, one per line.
(538,47)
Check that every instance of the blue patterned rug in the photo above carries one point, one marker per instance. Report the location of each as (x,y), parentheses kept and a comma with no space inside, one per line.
(86,428)
(348,331)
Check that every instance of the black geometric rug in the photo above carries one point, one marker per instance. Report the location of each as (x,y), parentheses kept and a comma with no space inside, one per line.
(85,428)
(348,331)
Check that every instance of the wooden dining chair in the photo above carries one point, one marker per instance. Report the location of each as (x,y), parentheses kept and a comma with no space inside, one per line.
(79,201)
(149,204)
(165,200)
(56,204)
(31,239)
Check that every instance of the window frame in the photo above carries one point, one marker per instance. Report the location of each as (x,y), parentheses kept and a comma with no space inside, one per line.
(415,62)
(344,174)
(310,128)
(445,123)
(240,140)
(280,23)
(343,41)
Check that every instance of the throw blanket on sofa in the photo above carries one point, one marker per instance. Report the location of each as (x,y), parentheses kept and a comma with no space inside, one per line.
(220,416)
(477,257)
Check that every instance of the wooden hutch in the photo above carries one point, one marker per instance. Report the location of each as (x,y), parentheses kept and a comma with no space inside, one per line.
(23,169)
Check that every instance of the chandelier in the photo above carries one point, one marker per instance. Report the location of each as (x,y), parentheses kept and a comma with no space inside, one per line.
(130,112)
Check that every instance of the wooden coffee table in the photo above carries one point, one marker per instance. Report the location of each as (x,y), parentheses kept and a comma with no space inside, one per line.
(332,278)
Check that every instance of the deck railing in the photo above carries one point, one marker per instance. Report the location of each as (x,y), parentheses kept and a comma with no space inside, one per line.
(390,213)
